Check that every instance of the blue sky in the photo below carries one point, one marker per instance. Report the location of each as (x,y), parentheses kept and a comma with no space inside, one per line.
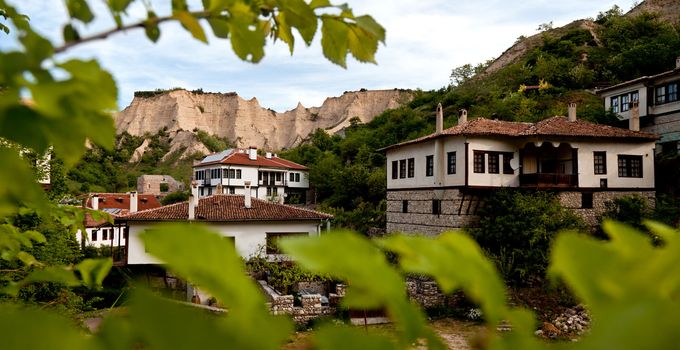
(425,40)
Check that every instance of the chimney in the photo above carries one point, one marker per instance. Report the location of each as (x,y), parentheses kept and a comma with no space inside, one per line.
(462,116)
(572,111)
(246,195)
(193,200)
(252,153)
(634,122)
(219,189)
(440,119)
(94,203)
(133,202)
(268,155)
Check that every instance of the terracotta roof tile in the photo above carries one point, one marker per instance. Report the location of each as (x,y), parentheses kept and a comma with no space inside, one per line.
(122,201)
(227,208)
(555,126)
(238,158)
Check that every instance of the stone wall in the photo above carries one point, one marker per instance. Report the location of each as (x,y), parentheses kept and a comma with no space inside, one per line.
(573,200)
(151,184)
(427,294)
(311,306)
(458,209)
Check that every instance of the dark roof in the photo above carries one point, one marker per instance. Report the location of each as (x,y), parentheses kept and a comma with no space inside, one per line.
(236,157)
(228,208)
(555,126)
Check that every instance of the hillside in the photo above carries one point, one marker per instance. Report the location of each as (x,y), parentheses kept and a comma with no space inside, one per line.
(181,113)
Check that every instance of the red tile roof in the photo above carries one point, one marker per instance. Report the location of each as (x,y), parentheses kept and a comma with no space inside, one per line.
(238,158)
(122,201)
(555,126)
(227,208)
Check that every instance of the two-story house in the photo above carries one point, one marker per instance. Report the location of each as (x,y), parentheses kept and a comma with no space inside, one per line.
(272,178)
(659,105)
(437,182)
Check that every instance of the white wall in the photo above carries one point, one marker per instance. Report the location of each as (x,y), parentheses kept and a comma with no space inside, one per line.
(249,237)
(487,179)
(587,177)
(642,91)
(100,242)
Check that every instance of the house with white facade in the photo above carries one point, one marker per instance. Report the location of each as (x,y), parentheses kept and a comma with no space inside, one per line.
(252,224)
(103,233)
(272,178)
(659,106)
(438,181)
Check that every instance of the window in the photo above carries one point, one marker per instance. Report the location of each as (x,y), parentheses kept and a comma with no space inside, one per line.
(411,167)
(225,174)
(635,96)
(202,192)
(672,92)
(404,206)
(164,187)
(272,240)
(94,236)
(507,168)
(291,177)
(232,190)
(275,191)
(278,177)
(429,166)
(436,206)
(600,162)
(630,166)
(238,173)
(402,169)
(493,162)
(478,162)
(660,95)
(259,176)
(105,234)
(232,173)
(451,163)
(297,177)
(624,103)
(603,183)
(395,169)
(587,200)
(269,191)
(615,104)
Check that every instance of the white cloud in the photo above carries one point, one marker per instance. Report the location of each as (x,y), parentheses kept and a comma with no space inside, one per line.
(425,40)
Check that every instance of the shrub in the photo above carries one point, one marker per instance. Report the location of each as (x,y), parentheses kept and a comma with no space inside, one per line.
(516,230)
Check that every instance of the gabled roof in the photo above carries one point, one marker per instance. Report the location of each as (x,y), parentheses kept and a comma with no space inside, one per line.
(236,157)
(122,201)
(555,126)
(638,80)
(227,208)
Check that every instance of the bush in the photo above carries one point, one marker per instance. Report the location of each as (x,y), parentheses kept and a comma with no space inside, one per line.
(516,230)
(175,197)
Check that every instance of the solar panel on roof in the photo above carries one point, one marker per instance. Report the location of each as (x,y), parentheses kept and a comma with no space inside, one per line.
(217,156)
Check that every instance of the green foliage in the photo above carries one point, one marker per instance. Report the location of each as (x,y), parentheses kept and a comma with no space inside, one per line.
(283,276)
(630,210)
(175,197)
(516,229)
(213,142)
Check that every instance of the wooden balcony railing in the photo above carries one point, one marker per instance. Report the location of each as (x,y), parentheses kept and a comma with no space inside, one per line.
(548,180)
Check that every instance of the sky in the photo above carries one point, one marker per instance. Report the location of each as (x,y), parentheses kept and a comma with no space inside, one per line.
(425,40)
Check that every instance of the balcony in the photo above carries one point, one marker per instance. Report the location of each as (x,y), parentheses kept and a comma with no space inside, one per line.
(547,180)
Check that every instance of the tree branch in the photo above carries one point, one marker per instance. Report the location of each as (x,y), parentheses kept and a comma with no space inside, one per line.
(103,35)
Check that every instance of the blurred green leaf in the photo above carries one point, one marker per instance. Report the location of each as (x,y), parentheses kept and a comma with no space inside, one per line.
(220,27)
(151,27)
(93,271)
(80,10)
(284,32)
(361,44)
(18,187)
(70,33)
(300,15)
(27,328)
(119,5)
(220,272)
(54,274)
(334,40)
(190,23)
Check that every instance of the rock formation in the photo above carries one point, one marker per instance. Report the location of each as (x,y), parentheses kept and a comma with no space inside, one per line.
(182,112)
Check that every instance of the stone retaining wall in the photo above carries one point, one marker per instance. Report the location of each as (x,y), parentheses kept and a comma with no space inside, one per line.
(310,308)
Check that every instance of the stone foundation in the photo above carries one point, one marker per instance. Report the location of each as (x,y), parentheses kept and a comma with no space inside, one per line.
(459,208)
(573,200)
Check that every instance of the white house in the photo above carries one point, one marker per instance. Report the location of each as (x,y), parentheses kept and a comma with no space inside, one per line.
(659,111)
(272,178)
(252,224)
(102,233)
(437,182)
